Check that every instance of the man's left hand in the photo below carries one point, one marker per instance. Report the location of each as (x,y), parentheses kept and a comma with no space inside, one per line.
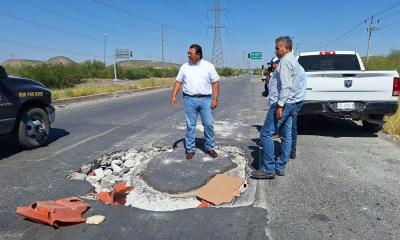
(278,112)
(214,104)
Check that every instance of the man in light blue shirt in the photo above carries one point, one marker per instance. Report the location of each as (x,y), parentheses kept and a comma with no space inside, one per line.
(301,88)
(281,112)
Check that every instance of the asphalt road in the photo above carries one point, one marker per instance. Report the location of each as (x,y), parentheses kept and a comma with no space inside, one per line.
(344,183)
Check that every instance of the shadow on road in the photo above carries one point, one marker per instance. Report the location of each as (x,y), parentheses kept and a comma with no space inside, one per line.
(257,154)
(199,144)
(9,147)
(332,128)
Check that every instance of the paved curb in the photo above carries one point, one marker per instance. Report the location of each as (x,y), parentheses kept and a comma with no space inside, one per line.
(104,95)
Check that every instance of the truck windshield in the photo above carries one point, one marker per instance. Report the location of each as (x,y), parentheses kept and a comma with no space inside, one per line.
(329,62)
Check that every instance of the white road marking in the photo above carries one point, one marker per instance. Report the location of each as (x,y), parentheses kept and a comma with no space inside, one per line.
(87,139)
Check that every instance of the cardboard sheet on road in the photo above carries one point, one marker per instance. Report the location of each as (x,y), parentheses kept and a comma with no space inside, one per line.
(221,189)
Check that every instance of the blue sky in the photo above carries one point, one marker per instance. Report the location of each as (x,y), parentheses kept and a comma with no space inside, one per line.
(34,29)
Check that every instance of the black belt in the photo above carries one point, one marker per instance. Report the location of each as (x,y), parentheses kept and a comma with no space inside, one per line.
(299,102)
(197,95)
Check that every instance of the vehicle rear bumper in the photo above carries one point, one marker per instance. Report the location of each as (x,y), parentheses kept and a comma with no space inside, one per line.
(360,107)
(51,111)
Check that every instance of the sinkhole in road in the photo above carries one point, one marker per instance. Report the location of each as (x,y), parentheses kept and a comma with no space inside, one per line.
(161,177)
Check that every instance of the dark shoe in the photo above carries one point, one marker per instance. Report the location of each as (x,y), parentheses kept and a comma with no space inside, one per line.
(279,173)
(189,155)
(259,174)
(292,156)
(212,153)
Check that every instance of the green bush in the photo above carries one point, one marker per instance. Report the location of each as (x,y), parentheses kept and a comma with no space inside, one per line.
(389,62)
(227,72)
(68,75)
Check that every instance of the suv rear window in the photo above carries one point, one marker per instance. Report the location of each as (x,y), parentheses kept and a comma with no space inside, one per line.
(329,62)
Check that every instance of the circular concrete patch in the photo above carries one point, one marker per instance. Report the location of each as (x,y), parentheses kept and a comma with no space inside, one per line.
(173,173)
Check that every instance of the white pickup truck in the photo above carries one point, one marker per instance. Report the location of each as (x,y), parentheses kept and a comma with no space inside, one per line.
(339,87)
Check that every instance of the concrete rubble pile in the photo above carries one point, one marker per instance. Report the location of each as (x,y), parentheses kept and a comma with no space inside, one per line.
(129,165)
(117,167)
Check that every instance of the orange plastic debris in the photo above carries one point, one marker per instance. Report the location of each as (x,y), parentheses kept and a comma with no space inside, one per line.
(203,204)
(117,196)
(55,213)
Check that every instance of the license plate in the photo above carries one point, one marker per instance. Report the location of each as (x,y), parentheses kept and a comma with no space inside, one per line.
(345,105)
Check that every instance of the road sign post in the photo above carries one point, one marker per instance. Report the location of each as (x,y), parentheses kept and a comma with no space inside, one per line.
(255,55)
(120,54)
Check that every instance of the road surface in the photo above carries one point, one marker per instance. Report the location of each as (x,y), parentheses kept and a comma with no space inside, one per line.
(344,184)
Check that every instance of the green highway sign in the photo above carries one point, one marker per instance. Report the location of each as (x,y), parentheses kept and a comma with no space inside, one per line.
(255,55)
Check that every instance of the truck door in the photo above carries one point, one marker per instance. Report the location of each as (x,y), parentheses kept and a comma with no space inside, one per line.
(7,109)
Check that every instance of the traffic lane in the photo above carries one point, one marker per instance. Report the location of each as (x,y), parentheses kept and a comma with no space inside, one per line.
(344,184)
(45,178)
(133,223)
(80,121)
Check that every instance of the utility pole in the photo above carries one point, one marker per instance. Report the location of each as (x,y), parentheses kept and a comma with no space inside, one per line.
(217,52)
(370,29)
(162,45)
(105,37)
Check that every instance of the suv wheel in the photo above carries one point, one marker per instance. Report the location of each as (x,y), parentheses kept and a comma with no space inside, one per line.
(33,128)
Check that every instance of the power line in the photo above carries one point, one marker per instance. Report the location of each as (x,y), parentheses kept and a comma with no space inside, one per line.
(344,34)
(28,45)
(386,9)
(185,12)
(105,18)
(146,18)
(74,20)
(61,30)
(360,24)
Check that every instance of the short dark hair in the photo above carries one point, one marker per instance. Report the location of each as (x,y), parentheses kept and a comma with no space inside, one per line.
(286,40)
(198,49)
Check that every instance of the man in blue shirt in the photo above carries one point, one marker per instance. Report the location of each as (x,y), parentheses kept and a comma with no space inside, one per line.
(301,88)
(281,112)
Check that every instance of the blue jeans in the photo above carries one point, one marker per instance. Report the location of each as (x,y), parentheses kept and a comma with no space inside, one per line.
(299,106)
(194,106)
(270,127)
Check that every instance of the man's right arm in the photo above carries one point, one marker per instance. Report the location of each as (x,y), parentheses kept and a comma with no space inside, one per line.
(175,91)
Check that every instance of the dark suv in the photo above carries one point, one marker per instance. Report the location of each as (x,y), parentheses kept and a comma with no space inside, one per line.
(25,110)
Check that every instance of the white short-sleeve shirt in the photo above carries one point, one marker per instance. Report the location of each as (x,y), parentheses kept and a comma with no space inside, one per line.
(197,79)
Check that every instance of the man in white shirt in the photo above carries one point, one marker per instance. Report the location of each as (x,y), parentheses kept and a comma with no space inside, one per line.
(200,96)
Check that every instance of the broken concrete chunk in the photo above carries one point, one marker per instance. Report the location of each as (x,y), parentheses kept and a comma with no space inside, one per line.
(108,172)
(117,162)
(139,157)
(86,168)
(129,163)
(105,161)
(115,165)
(221,189)
(107,181)
(132,150)
(77,176)
(146,148)
(92,179)
(99,173)
(96,219)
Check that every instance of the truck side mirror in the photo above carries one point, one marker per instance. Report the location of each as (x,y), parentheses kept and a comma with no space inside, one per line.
(3,73)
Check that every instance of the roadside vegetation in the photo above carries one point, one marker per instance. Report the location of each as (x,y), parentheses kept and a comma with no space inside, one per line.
(90,77)
(86,90)
(389,62)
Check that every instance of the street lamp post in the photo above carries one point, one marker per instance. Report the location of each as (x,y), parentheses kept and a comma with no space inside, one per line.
(105,36)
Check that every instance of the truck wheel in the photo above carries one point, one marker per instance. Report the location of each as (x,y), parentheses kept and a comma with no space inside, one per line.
(374,127)
(33,128)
